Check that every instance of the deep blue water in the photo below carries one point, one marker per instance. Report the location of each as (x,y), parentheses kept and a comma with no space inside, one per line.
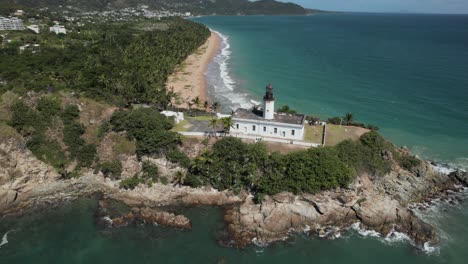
(407,74)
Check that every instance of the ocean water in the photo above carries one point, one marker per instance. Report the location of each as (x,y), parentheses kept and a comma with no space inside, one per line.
(68,235)
(408,74)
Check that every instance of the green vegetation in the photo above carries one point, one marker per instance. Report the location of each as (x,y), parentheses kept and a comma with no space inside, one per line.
(150,171)
(176,156)
(33,122)
(49,106)
(348,120)
(232,164)
(117,63)
(286,109)
(121,63)
(130,183)
(112,169)
(72,132)
(148,128)
(199,7)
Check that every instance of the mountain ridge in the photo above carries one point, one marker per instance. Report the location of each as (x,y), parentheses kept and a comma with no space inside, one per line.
(196,7)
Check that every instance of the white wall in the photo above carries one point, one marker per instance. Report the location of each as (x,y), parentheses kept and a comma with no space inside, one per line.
(283,130)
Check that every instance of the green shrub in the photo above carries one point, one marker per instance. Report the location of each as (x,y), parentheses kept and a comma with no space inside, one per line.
(86,155)
(150,171)
(235,165)
(130,183)
(334,120)
(70,113)
(103,129)
(176,156)
(286,109)
(316,169)
(149,128)
(232,164)
(408,162)
(367,154)
(112,169)
(25,120)
(49,106)
(164,180)
(157,142)
(72,137)
(49,152)
(140,122)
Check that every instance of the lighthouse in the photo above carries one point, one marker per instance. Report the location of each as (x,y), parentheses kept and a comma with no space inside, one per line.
(269,103)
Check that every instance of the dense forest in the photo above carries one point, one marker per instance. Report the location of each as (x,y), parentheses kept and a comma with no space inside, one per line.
(199,7)
(121,62)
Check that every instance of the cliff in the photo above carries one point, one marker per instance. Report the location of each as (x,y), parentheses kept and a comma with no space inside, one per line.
(380,204)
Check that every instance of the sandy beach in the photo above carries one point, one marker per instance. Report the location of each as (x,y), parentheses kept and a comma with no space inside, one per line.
(188,80)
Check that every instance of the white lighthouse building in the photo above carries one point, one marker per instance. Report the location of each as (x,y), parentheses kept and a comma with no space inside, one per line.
(269,103)
(266,123)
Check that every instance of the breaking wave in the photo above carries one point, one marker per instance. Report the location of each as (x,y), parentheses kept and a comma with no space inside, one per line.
(394,237)
(221,85)
(4,240)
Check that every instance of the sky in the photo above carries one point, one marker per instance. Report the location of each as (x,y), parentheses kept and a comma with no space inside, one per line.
(399,6)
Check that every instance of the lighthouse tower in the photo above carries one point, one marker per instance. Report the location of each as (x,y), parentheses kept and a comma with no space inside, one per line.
(269,103)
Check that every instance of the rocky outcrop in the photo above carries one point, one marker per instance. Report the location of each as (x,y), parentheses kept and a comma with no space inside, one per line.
(460,176)
(380,205)
(377,203)
(20,172)
(140,216)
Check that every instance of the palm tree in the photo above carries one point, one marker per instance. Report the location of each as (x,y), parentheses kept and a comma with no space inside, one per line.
(179,178)
(196,101)
(348,118)
(214,125)
(189,104)
(214,107)
(227,124)
(206,105)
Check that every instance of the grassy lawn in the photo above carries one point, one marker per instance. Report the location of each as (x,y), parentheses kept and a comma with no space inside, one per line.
(336,134)
(200,118)
(313,134)
(183,126)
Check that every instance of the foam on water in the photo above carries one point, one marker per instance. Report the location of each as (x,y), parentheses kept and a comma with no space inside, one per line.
(364,232)
(393,237)
(221,82)
(5,239)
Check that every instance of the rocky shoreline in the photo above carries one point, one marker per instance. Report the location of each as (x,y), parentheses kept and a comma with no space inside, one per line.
(380,204)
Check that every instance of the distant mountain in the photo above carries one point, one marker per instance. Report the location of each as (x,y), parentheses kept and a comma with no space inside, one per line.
(198,7)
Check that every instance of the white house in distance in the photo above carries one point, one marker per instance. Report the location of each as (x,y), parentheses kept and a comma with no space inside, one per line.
(266,123)
(12,23)
(58,29)
(34,28)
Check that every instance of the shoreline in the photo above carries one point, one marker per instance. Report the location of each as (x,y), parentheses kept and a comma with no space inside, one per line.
(188,80)
(384,205)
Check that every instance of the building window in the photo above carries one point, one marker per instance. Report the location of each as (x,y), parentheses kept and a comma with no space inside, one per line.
(276,130)
(264,129)
(253,128)
(237,126)
(293,132)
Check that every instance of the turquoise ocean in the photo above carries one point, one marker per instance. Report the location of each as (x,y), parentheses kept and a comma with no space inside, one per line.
(407,74)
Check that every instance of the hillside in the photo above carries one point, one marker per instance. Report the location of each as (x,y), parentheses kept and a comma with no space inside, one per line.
(197,7)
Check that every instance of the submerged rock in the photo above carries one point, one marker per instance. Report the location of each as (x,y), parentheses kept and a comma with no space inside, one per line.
(109,216)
